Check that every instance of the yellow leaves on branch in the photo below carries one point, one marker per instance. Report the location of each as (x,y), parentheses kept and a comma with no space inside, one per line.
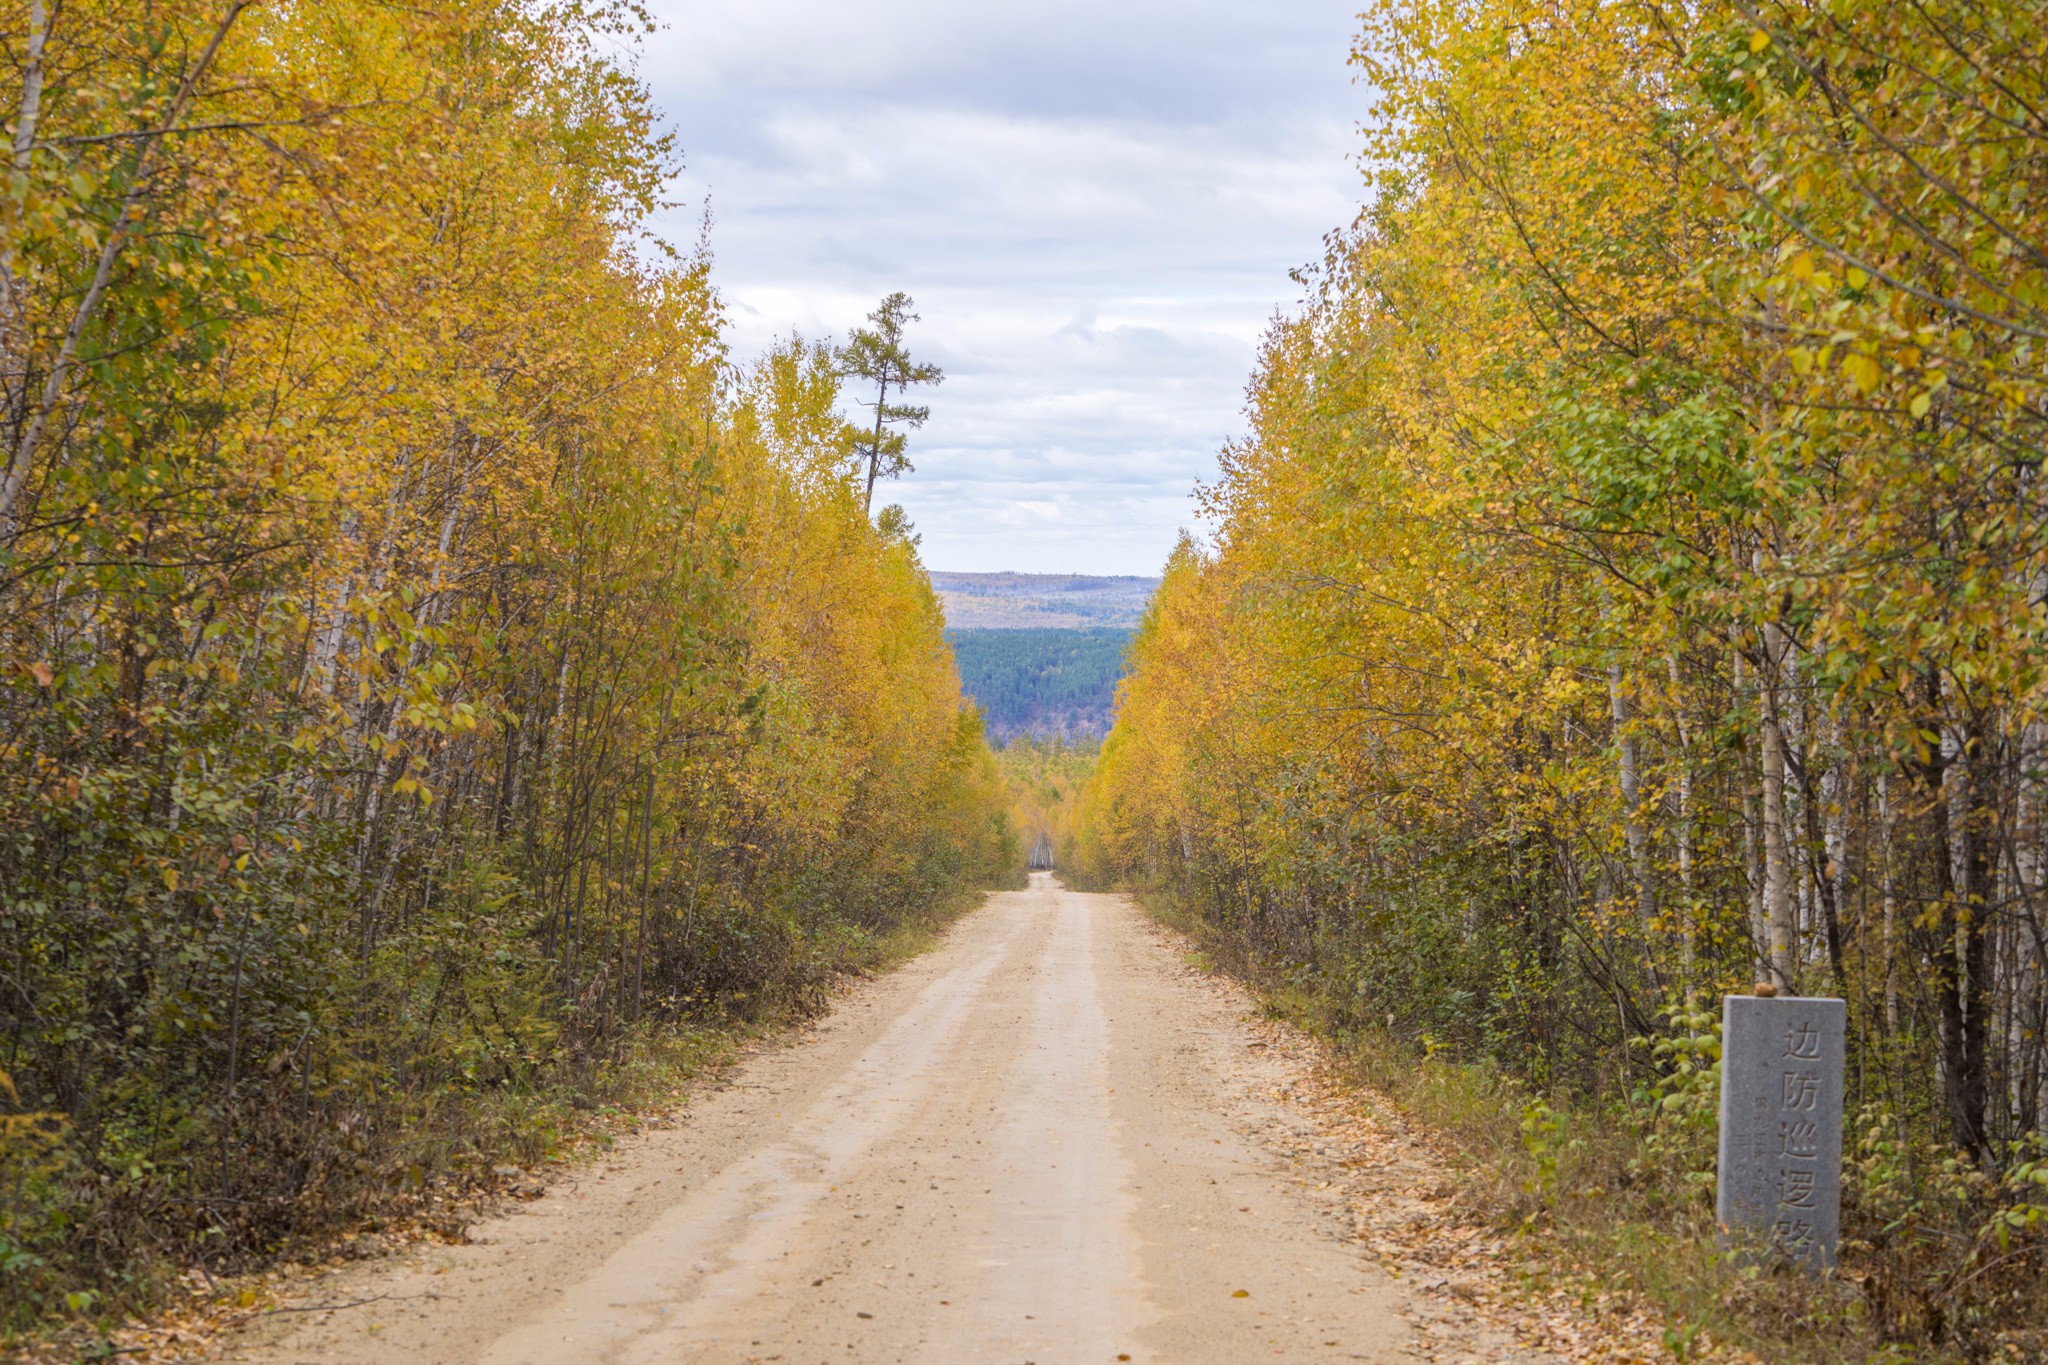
(1643,511)
(395,510)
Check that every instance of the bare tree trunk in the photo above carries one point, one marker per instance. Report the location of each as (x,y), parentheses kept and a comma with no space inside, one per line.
(646,861)
(1688,946)
(319,676)
(1783,959)
(875,451)
(1835,795)
(1890,894)
(14,299)
(1824,837)
(1971,1098)
(1752,855)
(1961,961)
(2029,966)
(1637,837)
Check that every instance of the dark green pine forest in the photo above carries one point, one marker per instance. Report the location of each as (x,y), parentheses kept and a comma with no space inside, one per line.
(1042,681)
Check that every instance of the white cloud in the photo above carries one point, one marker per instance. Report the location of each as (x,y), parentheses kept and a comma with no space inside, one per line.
(1094,205)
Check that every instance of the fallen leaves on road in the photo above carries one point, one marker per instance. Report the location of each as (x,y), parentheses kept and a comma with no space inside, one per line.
(1478,1290)
(1476,1287)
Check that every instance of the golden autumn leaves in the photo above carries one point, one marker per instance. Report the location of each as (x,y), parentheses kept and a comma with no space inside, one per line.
(1632,587)
(1632,580)
(436,666)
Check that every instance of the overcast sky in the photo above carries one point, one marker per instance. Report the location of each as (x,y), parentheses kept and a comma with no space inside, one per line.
(1095,206)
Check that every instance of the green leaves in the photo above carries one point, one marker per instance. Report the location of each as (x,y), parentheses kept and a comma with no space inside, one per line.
(876,355)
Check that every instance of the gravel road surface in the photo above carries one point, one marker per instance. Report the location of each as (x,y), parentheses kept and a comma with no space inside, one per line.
(1047,1140)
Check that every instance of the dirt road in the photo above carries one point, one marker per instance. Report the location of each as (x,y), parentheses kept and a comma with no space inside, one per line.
(1047,1140)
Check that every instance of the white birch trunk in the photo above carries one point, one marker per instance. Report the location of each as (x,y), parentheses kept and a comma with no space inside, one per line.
(1631,800)
(1687,943)
(1752,854)
(1783,929)
(2027,1063)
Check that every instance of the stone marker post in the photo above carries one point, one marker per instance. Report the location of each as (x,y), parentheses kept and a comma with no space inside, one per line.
(1781,1122)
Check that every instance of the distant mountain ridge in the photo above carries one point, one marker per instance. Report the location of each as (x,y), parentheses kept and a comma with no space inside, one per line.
(1017,601)
(1042,652)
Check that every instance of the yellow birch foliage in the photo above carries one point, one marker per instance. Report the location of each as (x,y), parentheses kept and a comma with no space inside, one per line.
(429,667)
(1631,585)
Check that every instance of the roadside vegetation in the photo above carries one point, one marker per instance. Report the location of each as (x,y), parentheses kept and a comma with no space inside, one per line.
(1631,589)
(436,684)
(1045,778)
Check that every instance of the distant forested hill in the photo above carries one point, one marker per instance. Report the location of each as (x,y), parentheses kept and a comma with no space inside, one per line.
(1042,681)
(1042,653)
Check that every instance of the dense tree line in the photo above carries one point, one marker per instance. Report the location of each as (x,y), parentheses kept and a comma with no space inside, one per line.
(1046,777)
(426,662)
(1632,586)
(1042,680)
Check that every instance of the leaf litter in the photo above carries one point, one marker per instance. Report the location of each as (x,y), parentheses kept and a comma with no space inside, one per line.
(1477,1289)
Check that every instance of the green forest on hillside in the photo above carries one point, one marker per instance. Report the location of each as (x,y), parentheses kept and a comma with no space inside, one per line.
(1041,681)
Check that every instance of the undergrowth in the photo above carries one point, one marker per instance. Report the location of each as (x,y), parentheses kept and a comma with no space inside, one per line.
(73,1238)
(1939,1262)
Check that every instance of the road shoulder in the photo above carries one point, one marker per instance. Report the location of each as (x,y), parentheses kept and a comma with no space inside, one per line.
(1470,1291)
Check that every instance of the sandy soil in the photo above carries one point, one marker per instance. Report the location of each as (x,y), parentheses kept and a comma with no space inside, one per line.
(1048,1140)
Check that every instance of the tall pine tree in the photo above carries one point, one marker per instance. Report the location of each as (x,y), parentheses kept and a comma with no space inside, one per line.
(876,354)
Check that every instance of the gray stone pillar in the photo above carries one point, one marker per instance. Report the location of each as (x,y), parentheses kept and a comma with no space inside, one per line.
(1782,1063)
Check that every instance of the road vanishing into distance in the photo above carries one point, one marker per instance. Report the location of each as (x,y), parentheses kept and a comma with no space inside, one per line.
(1042,1141)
